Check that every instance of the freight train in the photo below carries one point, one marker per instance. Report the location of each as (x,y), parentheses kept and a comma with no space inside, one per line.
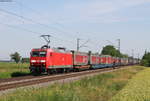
(59,60)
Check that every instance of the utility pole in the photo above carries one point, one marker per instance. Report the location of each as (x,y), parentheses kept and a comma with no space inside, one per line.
(78,43)
(133,53)
(118,44)
(82,45)
(132,56)
(138,55)
(119,50)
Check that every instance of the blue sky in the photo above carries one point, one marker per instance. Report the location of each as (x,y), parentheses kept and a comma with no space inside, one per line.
(67,20)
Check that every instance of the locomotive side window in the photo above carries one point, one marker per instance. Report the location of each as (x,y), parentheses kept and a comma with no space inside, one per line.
(38,54)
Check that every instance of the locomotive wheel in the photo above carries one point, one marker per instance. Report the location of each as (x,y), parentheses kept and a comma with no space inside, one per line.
(76,70)
(66,70)
(51,71)
(62,70)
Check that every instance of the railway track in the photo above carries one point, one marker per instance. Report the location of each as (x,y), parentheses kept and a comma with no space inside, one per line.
(32,80)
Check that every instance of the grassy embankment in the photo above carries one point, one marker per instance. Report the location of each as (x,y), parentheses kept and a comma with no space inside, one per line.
(138,89)
(98,88)
(8,70)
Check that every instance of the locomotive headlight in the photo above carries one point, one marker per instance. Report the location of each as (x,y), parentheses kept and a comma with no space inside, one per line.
(33,61)
(43,61)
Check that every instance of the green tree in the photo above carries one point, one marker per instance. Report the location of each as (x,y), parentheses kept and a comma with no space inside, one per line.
(111,50)
(146,59)
(16,57)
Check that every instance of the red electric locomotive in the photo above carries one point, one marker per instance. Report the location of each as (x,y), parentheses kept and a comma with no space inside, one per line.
(50,60)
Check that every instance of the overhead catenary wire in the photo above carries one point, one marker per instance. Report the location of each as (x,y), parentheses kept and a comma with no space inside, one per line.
(19,28)
(37,13)
(24,18)
(30,31)
(33,21)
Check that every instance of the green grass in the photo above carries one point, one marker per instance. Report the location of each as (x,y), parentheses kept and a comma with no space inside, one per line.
(98,88)
(138,88)
(8,70)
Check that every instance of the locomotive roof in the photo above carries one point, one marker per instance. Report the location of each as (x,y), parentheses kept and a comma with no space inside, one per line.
(51,50)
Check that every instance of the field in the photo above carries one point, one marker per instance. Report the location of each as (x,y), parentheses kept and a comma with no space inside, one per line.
(8,70)
(98,88)
(138,89)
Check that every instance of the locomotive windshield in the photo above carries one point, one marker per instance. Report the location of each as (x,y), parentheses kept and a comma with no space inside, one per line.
(38,54)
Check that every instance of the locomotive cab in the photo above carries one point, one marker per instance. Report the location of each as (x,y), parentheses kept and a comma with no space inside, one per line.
(38,58)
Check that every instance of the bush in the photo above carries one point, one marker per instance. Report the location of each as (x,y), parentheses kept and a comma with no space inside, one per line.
(17,74)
